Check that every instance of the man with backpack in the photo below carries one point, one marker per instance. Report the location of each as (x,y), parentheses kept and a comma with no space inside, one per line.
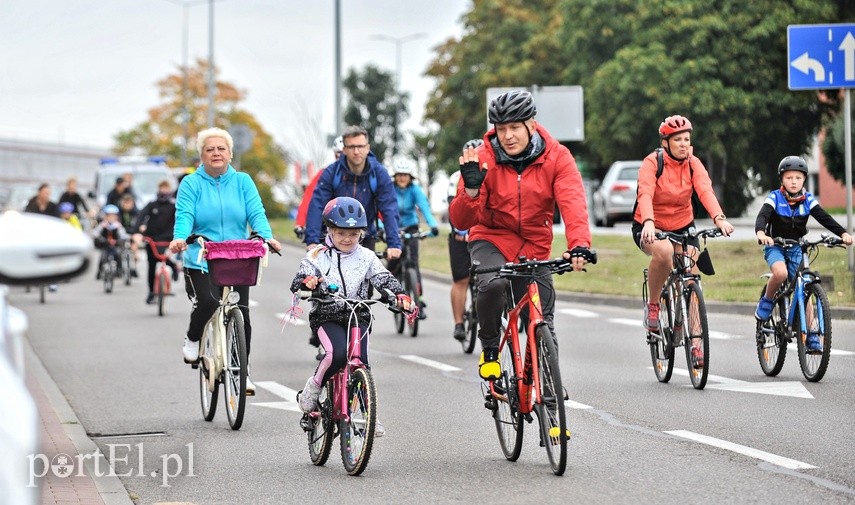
(358,175)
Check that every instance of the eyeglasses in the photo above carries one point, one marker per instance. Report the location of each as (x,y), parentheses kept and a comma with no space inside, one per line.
(356,147)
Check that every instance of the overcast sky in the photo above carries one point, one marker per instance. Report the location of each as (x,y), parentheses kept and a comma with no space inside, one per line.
(79,71)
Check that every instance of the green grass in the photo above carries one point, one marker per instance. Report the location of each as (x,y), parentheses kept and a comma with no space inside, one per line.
(738,265)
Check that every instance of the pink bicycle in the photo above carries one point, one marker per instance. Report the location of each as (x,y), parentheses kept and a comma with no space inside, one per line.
(347,405)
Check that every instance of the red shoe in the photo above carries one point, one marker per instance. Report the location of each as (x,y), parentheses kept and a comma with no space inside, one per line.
(651,317)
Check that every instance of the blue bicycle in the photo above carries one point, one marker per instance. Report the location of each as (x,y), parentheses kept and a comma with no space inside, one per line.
(800,311)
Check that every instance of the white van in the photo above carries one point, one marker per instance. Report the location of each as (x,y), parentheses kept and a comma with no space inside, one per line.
(147,171)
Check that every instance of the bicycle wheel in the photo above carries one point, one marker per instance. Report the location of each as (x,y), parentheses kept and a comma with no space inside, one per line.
(108,275)
(209,387)
(470,324)
(400,318)
(234,371)
(661,350)
(412,287)
(357,433)
(772,339)
(160,289)
(550,411)
(817,315)
(322,427)
(699,342)
(126,267)
(509,422)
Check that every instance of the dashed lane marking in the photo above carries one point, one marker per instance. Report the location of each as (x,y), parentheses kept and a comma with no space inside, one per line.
(792,464)
(429,362)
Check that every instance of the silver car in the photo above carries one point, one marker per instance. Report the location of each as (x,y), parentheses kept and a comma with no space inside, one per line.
(614,199)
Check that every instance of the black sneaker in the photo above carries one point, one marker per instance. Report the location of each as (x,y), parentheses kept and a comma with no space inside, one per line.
(134,273)
(459,332)
(149,299)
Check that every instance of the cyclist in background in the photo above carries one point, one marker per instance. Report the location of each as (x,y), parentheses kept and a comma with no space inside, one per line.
(341,260)
(66,213)
(220,203)
(156,221)
(511,185)
(458,256)
(785,214)
(127,216)
(665,204)
(303,209)
(109,235)
(410,198)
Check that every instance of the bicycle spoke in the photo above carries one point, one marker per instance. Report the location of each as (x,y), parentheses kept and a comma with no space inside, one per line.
(357,433)
(697,349)
(551,413)
(814,343)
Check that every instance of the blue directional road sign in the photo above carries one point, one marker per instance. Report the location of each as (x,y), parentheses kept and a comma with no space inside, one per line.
(821,56)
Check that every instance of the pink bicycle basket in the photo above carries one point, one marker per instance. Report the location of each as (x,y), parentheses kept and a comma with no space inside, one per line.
(234,262)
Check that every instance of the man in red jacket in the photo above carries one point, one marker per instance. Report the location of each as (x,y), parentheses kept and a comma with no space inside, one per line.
(507,196)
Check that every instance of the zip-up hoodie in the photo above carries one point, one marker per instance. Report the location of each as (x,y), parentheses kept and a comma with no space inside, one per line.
(219,208)
(514,210)
(382,199)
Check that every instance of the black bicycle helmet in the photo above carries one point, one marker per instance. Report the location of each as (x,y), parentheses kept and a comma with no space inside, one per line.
(511,107)
(474,143)
(345,212)
(792,163)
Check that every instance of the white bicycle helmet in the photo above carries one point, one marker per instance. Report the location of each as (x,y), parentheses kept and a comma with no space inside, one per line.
(338,144)
(404,166)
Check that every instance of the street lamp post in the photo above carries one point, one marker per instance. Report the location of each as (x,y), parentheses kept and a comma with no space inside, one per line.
(399,42)
(185,112)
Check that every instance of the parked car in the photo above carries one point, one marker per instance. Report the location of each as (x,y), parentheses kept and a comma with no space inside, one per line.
(614,199)
(33,249)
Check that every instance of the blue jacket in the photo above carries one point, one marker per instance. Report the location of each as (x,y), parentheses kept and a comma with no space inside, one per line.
(409,198)
(219,208)
(337,180)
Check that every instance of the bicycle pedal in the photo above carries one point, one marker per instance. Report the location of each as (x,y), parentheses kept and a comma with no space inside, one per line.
(195,365)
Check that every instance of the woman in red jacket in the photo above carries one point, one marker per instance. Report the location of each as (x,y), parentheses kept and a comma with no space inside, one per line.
(507,196)
(665,204)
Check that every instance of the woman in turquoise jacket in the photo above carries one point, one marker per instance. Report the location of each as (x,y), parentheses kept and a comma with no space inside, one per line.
(411,197)
(222,204)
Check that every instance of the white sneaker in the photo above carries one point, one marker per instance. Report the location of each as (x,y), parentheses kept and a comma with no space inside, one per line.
(309,396)
(379,430)
(191,351)
(250,387)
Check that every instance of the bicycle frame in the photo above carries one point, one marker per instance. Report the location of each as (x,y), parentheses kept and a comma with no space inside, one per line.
(527,374)
(218,333)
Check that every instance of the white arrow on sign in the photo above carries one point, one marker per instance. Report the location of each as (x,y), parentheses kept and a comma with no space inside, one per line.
(848,48)
(286,393)
(784,388)
(805,64)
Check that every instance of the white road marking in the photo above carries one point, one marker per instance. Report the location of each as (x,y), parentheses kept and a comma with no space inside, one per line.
(578,313)
(284,392)
(838,352)
(627,322)
(741,449)
(715,335)
(793,389)
(570,404)
(429,362)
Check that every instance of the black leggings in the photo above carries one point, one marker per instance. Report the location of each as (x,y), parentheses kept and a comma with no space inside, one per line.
(206,298)
(491,294)
(333,337)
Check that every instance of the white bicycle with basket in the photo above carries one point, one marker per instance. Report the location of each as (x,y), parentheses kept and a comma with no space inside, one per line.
(222,350)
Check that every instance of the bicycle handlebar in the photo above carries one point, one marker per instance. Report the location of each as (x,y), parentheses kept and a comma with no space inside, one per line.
(690,233)
(526,267)
(331,293)
(824,239)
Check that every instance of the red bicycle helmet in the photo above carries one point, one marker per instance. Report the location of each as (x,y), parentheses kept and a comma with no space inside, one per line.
(673,125)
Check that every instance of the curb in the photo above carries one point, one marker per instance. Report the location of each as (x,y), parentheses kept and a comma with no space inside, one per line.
(110,488)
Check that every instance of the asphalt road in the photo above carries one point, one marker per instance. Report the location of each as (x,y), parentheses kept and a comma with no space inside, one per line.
(746,438)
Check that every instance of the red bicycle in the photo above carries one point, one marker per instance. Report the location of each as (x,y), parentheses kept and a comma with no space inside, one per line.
(530,380)
(162,278)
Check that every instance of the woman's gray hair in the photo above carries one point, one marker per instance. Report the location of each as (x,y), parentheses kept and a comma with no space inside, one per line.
(214,132)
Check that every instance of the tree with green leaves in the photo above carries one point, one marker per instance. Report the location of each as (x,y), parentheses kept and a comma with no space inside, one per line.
(374,104)
(164,131)
(721,63)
